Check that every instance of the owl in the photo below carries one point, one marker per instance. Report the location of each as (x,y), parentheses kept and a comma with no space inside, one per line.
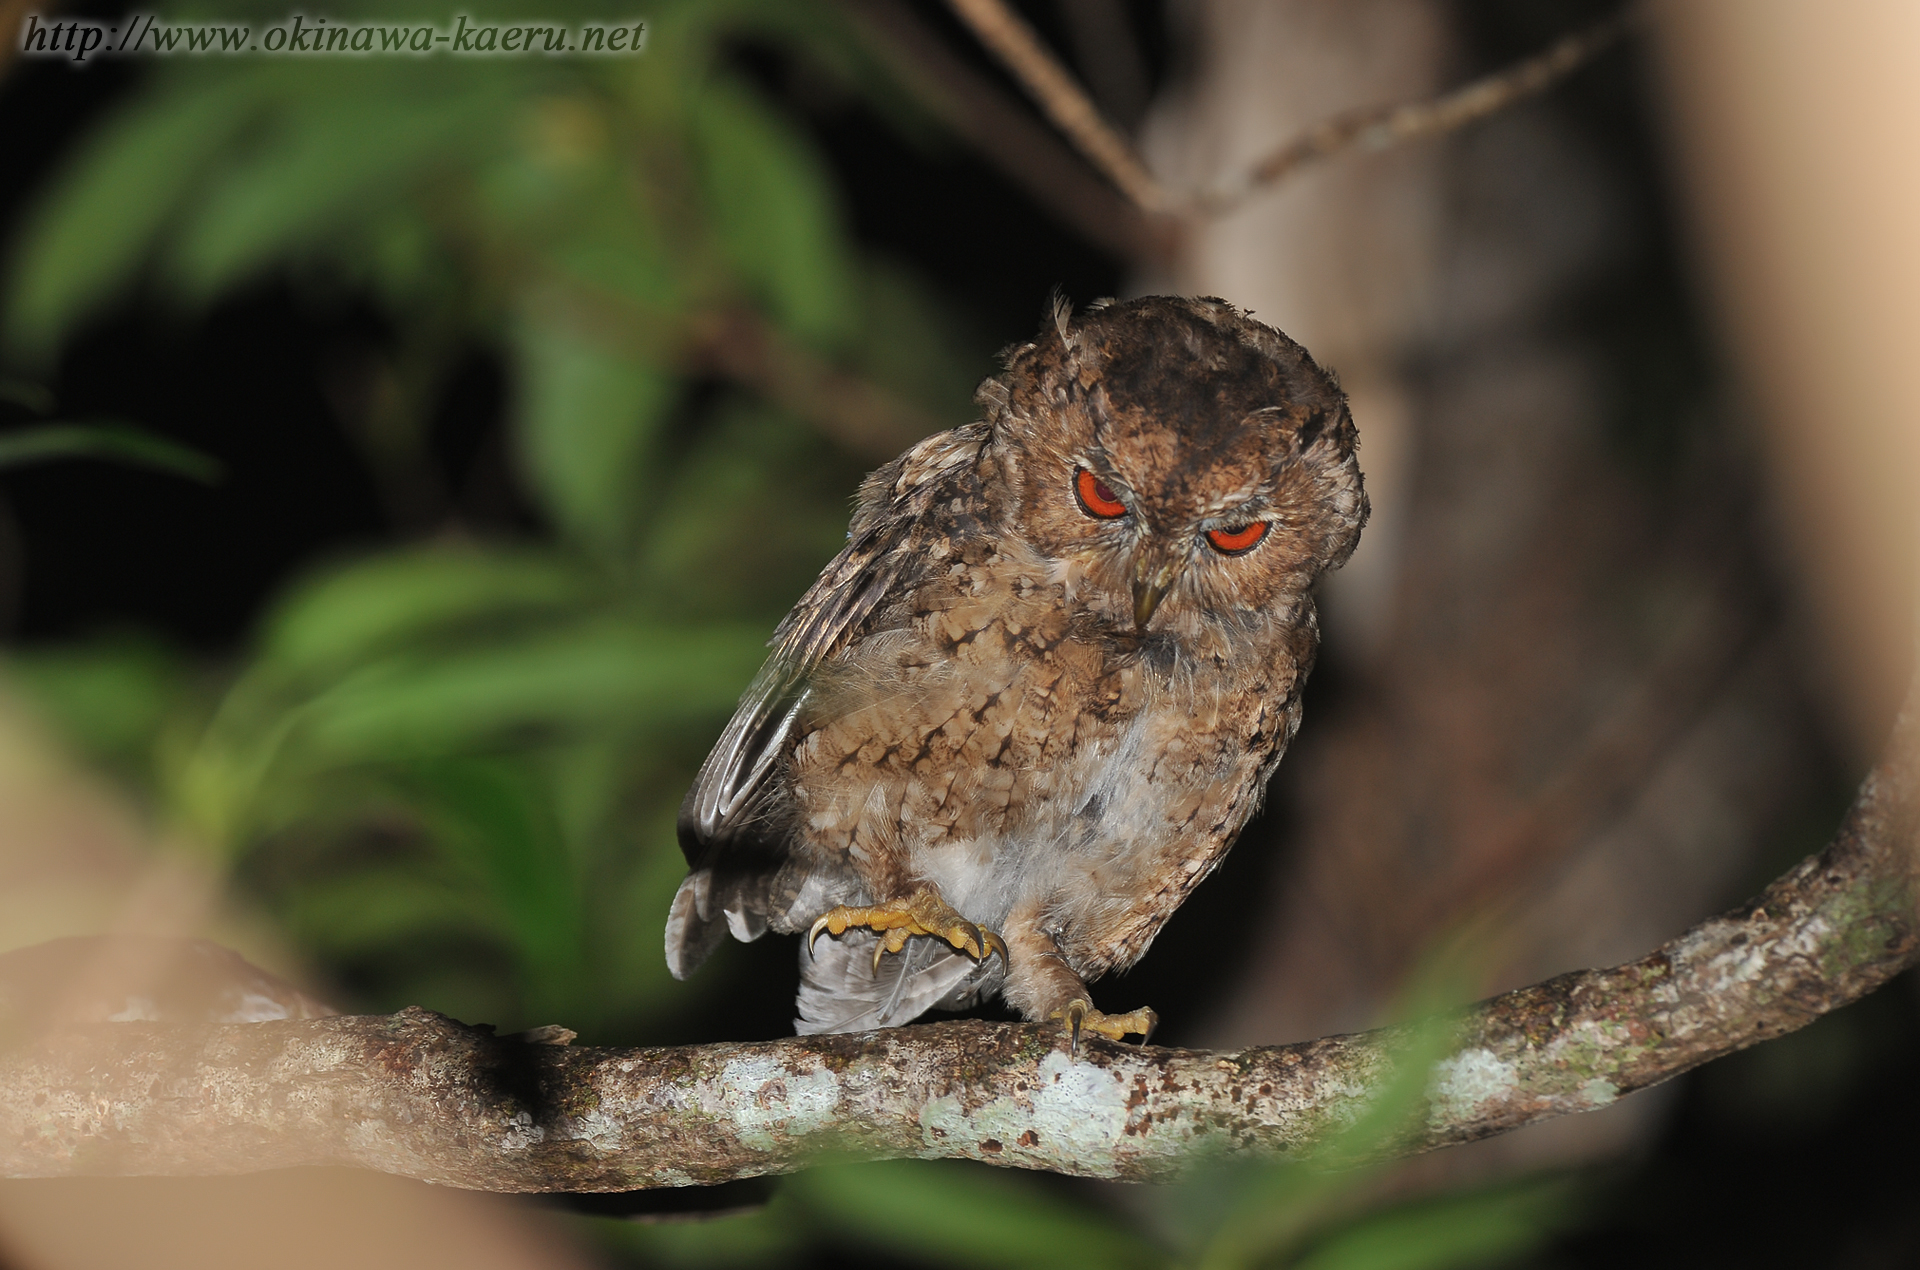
(1037,696)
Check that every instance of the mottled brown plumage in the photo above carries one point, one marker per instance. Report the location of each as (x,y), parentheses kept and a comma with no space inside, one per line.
(1043,687)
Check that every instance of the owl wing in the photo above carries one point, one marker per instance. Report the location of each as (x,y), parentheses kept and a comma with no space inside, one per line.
(732,827)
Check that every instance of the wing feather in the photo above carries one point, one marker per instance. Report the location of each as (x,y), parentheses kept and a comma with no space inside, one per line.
(732,825)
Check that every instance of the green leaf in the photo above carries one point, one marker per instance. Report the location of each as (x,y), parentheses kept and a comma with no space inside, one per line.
(630,975)
(112,699)
(773,208)
(336,151)
(117,441)
(498,823)
(401,260)
(23,393)
(783,488)
(88,237)
(597,675)
(965,1216)
(586,416)
(1478,1228)
(653,278)
(378,909)
(776,1235)
(357,611)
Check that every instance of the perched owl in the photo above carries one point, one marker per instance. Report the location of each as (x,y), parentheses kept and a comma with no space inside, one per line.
(1035,699)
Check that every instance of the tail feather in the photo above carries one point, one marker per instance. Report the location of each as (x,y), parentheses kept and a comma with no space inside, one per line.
(841,991)
(705,911)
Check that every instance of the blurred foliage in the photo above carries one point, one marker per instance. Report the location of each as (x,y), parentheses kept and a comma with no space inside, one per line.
(451,767)
(119,441)
(951,1215)
(44,439)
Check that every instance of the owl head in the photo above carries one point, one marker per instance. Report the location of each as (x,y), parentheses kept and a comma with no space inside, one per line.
(1177,461)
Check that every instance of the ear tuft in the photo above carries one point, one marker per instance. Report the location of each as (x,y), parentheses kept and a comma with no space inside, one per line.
(1061,310)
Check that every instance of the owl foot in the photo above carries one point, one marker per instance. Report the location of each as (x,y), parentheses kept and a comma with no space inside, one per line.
(924,912)
(1080,1016)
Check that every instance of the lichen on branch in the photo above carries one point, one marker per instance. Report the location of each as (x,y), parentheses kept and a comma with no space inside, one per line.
(421,1095)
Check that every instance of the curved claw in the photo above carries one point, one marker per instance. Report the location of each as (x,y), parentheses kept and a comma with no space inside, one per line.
(813,933)
(1080,1016)
(1075,1013)
(977,942)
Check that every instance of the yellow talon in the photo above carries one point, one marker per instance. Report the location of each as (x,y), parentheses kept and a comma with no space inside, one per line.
(925,912)
(1080,1015)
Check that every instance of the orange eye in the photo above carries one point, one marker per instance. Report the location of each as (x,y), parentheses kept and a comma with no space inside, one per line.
(1233,542)
(1095,498)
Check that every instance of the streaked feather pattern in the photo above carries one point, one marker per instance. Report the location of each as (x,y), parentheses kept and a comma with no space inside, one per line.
(969,703)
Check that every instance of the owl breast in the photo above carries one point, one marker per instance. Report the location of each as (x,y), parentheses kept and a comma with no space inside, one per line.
(1022,758)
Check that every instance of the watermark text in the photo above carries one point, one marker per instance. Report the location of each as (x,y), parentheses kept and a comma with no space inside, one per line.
(305,35)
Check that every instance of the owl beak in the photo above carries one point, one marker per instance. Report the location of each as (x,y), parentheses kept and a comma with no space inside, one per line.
(1153,575)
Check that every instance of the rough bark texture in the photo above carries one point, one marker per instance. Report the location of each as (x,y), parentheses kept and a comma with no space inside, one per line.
(418,1094)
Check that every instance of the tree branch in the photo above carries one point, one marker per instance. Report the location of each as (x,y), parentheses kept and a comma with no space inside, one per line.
(1006,136)
(1381,128)
(1022,52)
(1061,97)
(420,1095)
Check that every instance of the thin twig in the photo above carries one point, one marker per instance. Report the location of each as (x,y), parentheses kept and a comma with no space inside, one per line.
(1004,133)
(737,343)
(1061,97)
(1073,111)
(1110,60)
(861,416)
(1380,128)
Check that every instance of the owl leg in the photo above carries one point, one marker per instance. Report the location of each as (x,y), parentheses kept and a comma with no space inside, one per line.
(925,912)
(1041,985)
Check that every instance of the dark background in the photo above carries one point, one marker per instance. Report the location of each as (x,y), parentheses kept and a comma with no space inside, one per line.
(1793,1154)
